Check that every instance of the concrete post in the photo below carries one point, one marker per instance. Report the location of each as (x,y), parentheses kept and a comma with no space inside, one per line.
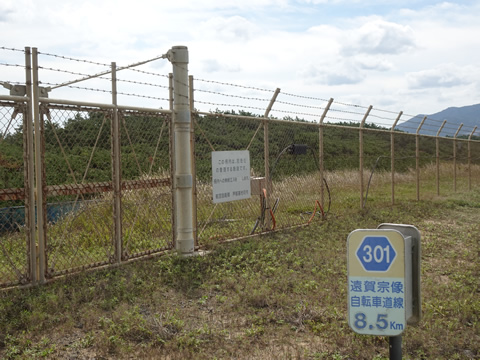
(182,152)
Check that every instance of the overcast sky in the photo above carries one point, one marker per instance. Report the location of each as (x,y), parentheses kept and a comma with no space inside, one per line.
(414,56)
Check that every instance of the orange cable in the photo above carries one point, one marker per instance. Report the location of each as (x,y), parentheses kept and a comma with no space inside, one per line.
(317,203)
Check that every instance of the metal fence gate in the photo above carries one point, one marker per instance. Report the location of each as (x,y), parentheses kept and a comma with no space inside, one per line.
(84,184)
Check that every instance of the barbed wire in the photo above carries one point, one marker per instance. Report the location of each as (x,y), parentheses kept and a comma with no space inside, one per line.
(350,105)
(229,105)
(296,113)
(71,73)
(12,65)
(11,49)
(142,83)
(300,105)
(148,73)
(341,119)
(78,87)
(347,112)
(142,96)
(233,96)
(235,85)
(450,125)
(388,111)
(381,117)
(304,97)
(73,59)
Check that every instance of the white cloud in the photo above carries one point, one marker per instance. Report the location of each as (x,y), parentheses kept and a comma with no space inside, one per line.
(442,76)
(374,63)
(379,37)
(387,57)
(212,65)
(342,73)
(235,28)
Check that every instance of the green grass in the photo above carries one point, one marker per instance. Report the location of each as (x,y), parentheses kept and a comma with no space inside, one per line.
(277,296)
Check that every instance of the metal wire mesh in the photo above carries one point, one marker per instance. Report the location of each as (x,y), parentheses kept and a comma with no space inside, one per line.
(13,246)
(78,192)
(147,199)
(294,171)
(222,133)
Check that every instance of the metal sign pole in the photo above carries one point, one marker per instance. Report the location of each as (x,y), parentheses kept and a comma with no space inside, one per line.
(395,346)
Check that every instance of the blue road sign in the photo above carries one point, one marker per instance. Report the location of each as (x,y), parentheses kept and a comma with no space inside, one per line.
(376,253)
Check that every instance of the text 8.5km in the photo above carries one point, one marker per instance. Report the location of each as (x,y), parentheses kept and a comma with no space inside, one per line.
(381,323)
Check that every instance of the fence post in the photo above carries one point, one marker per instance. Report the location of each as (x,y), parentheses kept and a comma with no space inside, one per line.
(116,172)
(437,153)
(320,152)
(29,171)
(392,154)
(455,159)
(360,140)
(38,168)
(266,151)
(470,160)
(194,164)
(172,162)
(182,153)
(417,156)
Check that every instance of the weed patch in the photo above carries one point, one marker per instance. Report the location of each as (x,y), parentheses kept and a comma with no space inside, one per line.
(280,295)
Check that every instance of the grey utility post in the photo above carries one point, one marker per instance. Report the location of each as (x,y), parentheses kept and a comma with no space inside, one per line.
(182,152)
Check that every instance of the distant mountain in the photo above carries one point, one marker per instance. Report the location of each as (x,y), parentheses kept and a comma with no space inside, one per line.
(468,115)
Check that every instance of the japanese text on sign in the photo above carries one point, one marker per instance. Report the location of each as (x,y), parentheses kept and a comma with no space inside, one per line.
(376,282)
(230,175)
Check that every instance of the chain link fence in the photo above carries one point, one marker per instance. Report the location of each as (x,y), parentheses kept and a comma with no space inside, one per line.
(78,217)
(146,174)
(14,215)
(80,198)
(104,190)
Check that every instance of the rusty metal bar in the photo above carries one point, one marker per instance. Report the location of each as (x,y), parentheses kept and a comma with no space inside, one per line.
(12,194)
(80,104)
(116,171)
(89,188)
(29,171)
